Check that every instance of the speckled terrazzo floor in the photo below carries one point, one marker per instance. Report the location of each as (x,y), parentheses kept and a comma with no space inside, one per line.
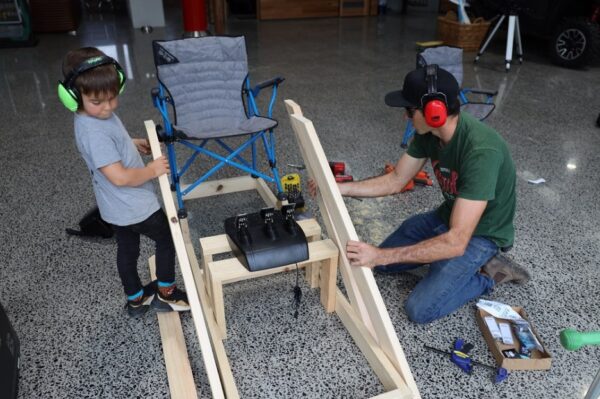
(63,294)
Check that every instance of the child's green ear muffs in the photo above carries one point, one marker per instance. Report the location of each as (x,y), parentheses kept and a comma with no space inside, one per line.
(68,93)
(68,97)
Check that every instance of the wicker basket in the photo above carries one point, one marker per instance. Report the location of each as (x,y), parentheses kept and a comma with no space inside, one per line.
(466,36)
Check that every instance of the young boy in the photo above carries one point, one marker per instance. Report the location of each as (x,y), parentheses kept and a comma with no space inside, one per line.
(121,182)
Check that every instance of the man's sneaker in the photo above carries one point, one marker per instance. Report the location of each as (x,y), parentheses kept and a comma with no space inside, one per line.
(502,270)
(140,306)
(175,300)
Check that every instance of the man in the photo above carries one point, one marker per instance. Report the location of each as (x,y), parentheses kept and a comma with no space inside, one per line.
(475,171)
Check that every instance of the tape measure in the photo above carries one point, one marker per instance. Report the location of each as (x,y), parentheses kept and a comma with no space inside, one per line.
(292,187)
(291,183)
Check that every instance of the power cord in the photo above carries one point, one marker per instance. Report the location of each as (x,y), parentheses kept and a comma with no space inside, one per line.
(297,293)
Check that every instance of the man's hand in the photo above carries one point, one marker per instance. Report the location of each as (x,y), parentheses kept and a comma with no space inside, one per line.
(142,145)
(313,189)
(362,254)
(159,166)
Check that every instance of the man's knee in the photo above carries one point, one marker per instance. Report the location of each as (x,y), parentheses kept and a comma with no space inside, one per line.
(418,311)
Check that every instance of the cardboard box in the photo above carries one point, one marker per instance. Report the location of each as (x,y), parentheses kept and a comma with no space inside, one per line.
(539,360)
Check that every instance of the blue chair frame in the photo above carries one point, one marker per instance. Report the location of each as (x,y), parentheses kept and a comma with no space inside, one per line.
(170,136)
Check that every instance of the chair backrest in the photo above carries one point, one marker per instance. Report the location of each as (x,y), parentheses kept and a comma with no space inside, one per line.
(204,77)
(446,57)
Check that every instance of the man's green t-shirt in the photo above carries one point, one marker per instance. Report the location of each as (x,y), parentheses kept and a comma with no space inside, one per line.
(475,165)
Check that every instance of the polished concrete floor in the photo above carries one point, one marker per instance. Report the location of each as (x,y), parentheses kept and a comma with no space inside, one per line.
(63,294)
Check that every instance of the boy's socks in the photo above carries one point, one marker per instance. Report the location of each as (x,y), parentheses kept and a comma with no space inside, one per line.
(137,304)
(136,297)
(166,289)
(170,298)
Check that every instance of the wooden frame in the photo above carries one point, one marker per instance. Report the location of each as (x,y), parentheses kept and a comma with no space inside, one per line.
(363,313)
(218,273)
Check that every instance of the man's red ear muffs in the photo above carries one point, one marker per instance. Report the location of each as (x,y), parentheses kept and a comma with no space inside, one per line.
(434,103)
(435,113)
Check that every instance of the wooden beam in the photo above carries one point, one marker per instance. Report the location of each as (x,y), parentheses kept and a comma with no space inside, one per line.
(223,365)
(231,270)
(349,281)
(188,278)
(381,365)
(316,162)
(395,394)
(265,192)
(177,362)
(211,188)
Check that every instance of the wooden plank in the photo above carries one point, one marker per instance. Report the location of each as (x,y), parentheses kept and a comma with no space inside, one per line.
(395,394)
(223,365)
(328,283)
(380,363)
(316,162)
(229,185)
(219,244)
(265,192)
(188,278)
(349,281)
(231,270)
(177,362)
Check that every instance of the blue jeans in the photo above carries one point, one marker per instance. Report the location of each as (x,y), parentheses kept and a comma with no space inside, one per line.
(450,283)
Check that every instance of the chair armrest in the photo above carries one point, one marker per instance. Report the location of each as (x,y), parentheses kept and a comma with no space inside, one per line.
(481,91)
(267,83)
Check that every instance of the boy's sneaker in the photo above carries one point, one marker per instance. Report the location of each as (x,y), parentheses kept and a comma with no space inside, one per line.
(140,306)
(502,270)
(174,300)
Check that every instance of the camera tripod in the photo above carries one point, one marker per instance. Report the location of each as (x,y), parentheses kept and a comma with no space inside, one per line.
(513,31)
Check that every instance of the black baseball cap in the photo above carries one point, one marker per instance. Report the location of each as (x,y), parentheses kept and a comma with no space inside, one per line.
(415,87)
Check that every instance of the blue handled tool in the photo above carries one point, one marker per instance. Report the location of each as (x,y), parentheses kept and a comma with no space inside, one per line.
(460,357)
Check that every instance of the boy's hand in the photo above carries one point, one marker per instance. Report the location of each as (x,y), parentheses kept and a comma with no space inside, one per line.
(143,146)
(159,166)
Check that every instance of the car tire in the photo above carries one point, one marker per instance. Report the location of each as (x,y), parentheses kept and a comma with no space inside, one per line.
(575,42)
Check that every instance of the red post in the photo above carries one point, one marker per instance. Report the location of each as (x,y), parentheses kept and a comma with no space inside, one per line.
(194,17)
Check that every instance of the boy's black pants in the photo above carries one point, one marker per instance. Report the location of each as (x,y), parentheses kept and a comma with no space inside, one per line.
(156,227)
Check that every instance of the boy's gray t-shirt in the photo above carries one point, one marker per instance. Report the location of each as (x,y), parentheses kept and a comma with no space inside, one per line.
(102,142)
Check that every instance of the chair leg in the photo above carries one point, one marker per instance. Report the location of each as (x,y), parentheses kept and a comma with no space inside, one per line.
(175,184)
(408,133)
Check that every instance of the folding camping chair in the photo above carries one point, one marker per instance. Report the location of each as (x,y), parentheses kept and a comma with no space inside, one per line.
(450,59)
(204,83)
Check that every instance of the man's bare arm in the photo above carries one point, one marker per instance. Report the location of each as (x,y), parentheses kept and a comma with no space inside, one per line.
(387,184)
(463,221)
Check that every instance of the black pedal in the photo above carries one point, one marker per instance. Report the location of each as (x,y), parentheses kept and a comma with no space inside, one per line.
(9,358)
(267,239)
(268,217)
(287,211)
(241,227)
